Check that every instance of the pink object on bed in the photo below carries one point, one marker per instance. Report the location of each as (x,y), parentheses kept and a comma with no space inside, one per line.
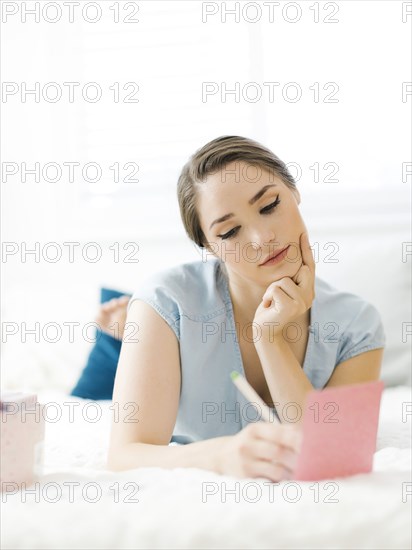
(22,439)
(340,427)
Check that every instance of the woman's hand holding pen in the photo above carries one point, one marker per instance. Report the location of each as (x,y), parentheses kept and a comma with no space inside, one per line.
(261,449)
(286,299)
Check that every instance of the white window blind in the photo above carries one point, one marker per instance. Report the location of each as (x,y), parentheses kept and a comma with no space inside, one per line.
(170,55)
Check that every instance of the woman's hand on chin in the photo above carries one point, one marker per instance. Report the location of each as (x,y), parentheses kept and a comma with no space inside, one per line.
(286,299)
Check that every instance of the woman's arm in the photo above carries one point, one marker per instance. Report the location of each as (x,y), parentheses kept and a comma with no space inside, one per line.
(146,399)
(365,367)
(287,382)
(201,454)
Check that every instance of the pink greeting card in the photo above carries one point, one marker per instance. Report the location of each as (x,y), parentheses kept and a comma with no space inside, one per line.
(340,427)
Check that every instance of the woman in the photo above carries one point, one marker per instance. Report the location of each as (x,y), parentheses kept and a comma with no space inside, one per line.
(273,320)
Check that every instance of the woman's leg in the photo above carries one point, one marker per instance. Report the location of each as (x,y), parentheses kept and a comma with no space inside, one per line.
(111,317)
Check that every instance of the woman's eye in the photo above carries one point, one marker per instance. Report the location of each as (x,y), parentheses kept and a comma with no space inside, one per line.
(270,207)
(230,234)
(266,210)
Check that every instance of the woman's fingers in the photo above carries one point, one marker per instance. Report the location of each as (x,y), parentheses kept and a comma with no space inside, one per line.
(271,471)
(286,435)
(289,288)
(276,292)
(305,276)
(307,254)
(277,454)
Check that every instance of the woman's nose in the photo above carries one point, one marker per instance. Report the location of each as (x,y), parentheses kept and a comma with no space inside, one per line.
(263,238)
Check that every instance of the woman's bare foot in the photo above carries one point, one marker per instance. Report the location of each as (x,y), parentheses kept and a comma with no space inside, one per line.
(112,316)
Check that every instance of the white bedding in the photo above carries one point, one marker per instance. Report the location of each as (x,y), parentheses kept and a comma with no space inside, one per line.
(171,509)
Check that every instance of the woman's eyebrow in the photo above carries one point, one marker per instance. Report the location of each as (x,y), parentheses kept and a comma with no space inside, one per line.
(251,201)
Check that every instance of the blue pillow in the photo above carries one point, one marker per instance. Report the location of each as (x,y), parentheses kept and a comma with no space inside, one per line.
(97,378)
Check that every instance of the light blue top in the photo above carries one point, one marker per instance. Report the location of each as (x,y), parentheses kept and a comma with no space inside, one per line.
(194,299)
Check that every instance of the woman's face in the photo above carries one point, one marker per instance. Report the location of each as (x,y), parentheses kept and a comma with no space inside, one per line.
(257,222)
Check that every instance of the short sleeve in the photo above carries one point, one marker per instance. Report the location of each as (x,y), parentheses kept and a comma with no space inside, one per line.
(162,300)
(364,333)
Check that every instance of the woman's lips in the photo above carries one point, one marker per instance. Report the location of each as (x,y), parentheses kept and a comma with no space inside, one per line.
(278,258)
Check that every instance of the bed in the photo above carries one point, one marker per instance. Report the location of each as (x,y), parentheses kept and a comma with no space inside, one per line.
(193,508)
(78,503)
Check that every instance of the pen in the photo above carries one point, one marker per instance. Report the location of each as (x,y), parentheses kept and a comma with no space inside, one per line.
(246,389)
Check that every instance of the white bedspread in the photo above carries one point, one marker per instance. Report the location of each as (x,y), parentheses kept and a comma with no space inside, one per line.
(194,508)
